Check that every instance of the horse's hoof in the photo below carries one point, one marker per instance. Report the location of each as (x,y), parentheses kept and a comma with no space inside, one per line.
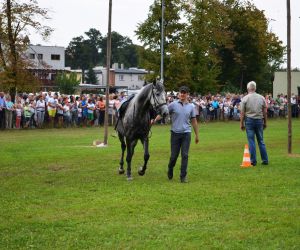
(141,172)
(121,171)
(129,178)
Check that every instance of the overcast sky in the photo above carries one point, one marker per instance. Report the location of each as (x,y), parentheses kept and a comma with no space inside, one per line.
(71,18)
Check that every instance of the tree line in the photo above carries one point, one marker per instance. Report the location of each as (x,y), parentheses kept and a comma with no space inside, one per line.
(210,45)
(89,50)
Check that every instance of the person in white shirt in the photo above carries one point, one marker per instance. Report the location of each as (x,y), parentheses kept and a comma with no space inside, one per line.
(91,108)
(294,106)
(52,103)
(226,107)
(111,112)
(40,111)
(32,104)
(60,112)
(67,112)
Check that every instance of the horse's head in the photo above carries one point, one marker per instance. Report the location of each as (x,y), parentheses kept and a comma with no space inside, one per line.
(158,100)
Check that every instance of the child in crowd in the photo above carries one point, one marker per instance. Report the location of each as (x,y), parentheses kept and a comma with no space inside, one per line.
(27,115)
(79,116)
(19,110)
(67,112)
(91,108)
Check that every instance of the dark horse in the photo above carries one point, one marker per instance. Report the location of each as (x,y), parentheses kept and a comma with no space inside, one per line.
(134,123)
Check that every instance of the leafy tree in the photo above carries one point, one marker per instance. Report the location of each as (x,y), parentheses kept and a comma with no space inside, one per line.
(91,77)
(190,45)
(67,82)
(209,45)
(256,53)
(16,19)
(122,48)
(206,32)
(82,53)
(90,50)
(149,33)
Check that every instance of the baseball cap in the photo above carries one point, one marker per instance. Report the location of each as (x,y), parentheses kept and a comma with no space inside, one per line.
(184,89)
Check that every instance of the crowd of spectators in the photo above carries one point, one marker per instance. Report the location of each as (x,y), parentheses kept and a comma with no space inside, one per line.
(53,110)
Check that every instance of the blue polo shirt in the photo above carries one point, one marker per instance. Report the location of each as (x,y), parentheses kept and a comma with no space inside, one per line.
(181,115)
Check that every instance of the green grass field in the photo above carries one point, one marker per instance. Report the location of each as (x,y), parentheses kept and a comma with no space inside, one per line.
(59,192)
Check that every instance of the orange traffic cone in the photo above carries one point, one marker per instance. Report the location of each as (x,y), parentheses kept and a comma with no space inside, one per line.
(246,159)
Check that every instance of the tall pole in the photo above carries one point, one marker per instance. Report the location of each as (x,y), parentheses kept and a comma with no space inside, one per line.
(162,39)
(108,59)
(288,4)
(289,76)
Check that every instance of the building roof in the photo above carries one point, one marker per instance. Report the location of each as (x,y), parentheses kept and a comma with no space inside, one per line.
(130,71)
(51,46)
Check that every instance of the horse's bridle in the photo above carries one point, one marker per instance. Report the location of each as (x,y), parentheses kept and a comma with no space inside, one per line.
(156,105)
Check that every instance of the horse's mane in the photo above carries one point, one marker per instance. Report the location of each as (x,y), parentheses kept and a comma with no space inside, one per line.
(160,87)
(144,91)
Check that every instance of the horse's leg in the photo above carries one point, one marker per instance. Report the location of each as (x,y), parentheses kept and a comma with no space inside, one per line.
(123,147)
(142,169)
(130,150)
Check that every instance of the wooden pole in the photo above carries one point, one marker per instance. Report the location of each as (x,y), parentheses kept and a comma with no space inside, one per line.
(108,60)
(289,76)
(162,40)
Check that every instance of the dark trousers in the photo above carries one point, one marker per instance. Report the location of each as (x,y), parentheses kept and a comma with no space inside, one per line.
(180,141)
(101,117)
(2,119)
(294,110)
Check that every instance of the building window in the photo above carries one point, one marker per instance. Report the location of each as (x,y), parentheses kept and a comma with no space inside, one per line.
(55,57)
(40,56)
(121,77)
(31,56)
(141,78)
(53,76)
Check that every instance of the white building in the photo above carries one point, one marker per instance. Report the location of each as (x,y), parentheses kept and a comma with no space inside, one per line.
(46,62)
(131,78)
(280,83)
(46,57)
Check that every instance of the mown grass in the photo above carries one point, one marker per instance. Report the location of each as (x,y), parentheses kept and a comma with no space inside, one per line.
(58,192)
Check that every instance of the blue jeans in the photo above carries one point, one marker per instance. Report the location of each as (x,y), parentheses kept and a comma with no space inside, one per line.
(180,141)
(254,127)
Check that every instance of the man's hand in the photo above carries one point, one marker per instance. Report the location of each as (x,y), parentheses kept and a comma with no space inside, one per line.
(196,140)
(242,127)
(265,126)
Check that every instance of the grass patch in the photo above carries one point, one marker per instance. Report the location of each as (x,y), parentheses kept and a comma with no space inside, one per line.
(58,192)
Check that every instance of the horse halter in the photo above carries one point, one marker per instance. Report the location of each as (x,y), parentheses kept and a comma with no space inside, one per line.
(156,105)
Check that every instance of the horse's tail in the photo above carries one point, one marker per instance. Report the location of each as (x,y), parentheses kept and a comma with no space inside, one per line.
(119,125)
(117,122)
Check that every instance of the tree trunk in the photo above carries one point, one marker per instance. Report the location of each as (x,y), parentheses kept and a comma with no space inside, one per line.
(3,62)
(12,48)
(11,39)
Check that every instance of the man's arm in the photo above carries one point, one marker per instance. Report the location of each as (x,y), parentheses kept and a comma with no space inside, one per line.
(157,118)
(265,114)
(242,115)
(196,129)
(242,120)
